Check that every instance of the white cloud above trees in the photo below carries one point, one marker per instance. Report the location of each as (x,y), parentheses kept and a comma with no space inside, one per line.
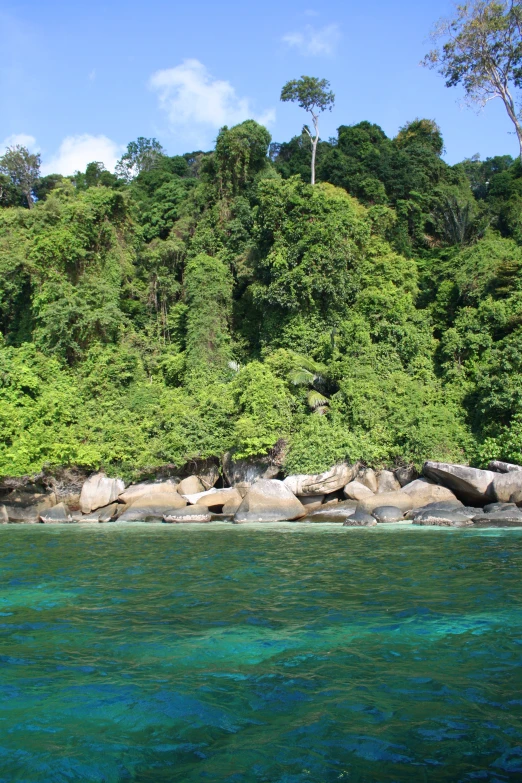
(196,102)
(75,152)
(314,42)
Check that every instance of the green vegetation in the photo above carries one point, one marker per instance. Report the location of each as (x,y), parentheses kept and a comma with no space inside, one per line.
(189,305)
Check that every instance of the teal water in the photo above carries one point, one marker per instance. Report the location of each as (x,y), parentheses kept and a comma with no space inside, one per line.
(155,653)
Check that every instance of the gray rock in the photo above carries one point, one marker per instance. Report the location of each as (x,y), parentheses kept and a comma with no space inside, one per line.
(440,505)
(191,514)
(388,514)
(242,473)
(134,492)
(442,519)
(26,507)
(516,498)
(322,483)
(397,499)
(386,482)
(216,499)
(499,519)
(312,503)
(4,518)
(190,486)
(334,513)
(494,507)
(368,477)
(107,514)
(360,519)
(505,485)
(503,467)
(355,490)
(57,513)
(99,491)
(471,485)
(269,501)
(407,474)
(153,505)
(423,491)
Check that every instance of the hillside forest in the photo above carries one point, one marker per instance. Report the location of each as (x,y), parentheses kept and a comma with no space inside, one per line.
(187,306)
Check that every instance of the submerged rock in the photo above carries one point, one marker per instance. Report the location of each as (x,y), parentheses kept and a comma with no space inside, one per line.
(333,513)
(322,483)
(360,519)
(58,513)
(99,491)
(440,518)
(384,514)
(504,518)
(189,514)
(470,485)
(269,501)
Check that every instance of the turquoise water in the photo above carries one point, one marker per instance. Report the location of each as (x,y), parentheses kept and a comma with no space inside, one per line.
(157,653)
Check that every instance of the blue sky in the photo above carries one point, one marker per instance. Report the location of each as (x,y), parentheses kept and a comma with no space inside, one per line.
(80,80)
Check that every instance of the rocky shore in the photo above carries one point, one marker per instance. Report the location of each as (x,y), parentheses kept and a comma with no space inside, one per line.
(243,491)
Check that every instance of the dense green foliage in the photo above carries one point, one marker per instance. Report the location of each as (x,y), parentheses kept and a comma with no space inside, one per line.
(194,304)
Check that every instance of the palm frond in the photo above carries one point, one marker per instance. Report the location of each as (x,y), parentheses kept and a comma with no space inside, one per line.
(301,377)
(317,400)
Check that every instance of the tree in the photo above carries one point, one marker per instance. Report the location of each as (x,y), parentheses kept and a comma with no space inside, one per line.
(22,168)
(141,155)
(482,51)
(241,152)
(313,96)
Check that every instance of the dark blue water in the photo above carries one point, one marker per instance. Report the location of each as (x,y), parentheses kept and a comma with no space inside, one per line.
(157,653)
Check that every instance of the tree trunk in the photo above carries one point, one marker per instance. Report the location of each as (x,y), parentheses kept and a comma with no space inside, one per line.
(314,150)
(30,200)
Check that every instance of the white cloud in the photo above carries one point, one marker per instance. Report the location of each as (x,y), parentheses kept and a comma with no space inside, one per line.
(76,152)
(92,75)
(195,101)
(21,139)
(313,41)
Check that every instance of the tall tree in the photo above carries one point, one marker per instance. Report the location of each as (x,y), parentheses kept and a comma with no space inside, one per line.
(23,169)
(312,95)
(482,51)
(141,155)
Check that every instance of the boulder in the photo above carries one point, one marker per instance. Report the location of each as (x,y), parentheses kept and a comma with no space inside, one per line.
(333,513)
(269,501)
(107,514)
(503,467)
(385,514)
(505,518)
(516,498)
(136,491)
(231,506)
(368,477)
(312,503)
(208,474)
(153,505)
(397,499)
(406,474)
(360,519)
(505,485)
(4,518)
(99,491)
(441,518)
(471,485)
(58,513)
(386,482)
(322,483)
(26,507)
(242,473)
(190,486)
(357,491)
(189,514)
(493,507)
(441,505)
(215,499)
(423,492)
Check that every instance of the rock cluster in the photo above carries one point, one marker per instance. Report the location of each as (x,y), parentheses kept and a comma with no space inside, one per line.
(444,495)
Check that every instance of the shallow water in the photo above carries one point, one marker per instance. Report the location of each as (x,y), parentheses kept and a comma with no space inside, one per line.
(157,653)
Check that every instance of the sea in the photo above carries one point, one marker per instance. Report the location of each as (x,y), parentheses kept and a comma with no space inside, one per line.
(284,653)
